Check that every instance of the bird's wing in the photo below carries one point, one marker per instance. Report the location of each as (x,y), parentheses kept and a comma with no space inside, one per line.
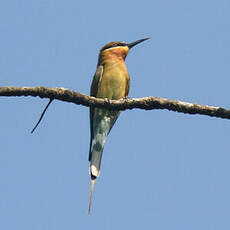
(93,92)
(127,87)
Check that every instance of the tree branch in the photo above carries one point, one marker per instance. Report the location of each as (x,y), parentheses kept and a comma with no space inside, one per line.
(147,103)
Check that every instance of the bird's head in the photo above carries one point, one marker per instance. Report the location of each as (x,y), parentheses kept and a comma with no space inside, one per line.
(118,49)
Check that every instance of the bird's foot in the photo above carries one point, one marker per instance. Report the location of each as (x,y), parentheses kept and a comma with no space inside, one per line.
(107,100)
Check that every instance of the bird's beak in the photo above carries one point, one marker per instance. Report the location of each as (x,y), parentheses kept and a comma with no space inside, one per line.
(132,44)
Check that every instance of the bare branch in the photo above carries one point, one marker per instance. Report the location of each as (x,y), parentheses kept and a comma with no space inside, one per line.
(147,103)
(42,115)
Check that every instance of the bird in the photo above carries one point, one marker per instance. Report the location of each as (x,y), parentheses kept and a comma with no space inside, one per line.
(111,81)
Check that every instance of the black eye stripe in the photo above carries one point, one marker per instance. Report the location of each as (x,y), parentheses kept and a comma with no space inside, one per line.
(114,45)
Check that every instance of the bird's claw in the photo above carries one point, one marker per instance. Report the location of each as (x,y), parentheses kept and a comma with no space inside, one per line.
(107,100)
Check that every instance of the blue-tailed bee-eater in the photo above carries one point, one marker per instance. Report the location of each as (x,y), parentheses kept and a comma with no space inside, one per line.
(110,81)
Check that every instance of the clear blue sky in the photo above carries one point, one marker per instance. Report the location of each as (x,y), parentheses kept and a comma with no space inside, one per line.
(161,170)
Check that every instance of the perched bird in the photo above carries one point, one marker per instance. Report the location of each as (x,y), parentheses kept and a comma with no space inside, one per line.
(110,81)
